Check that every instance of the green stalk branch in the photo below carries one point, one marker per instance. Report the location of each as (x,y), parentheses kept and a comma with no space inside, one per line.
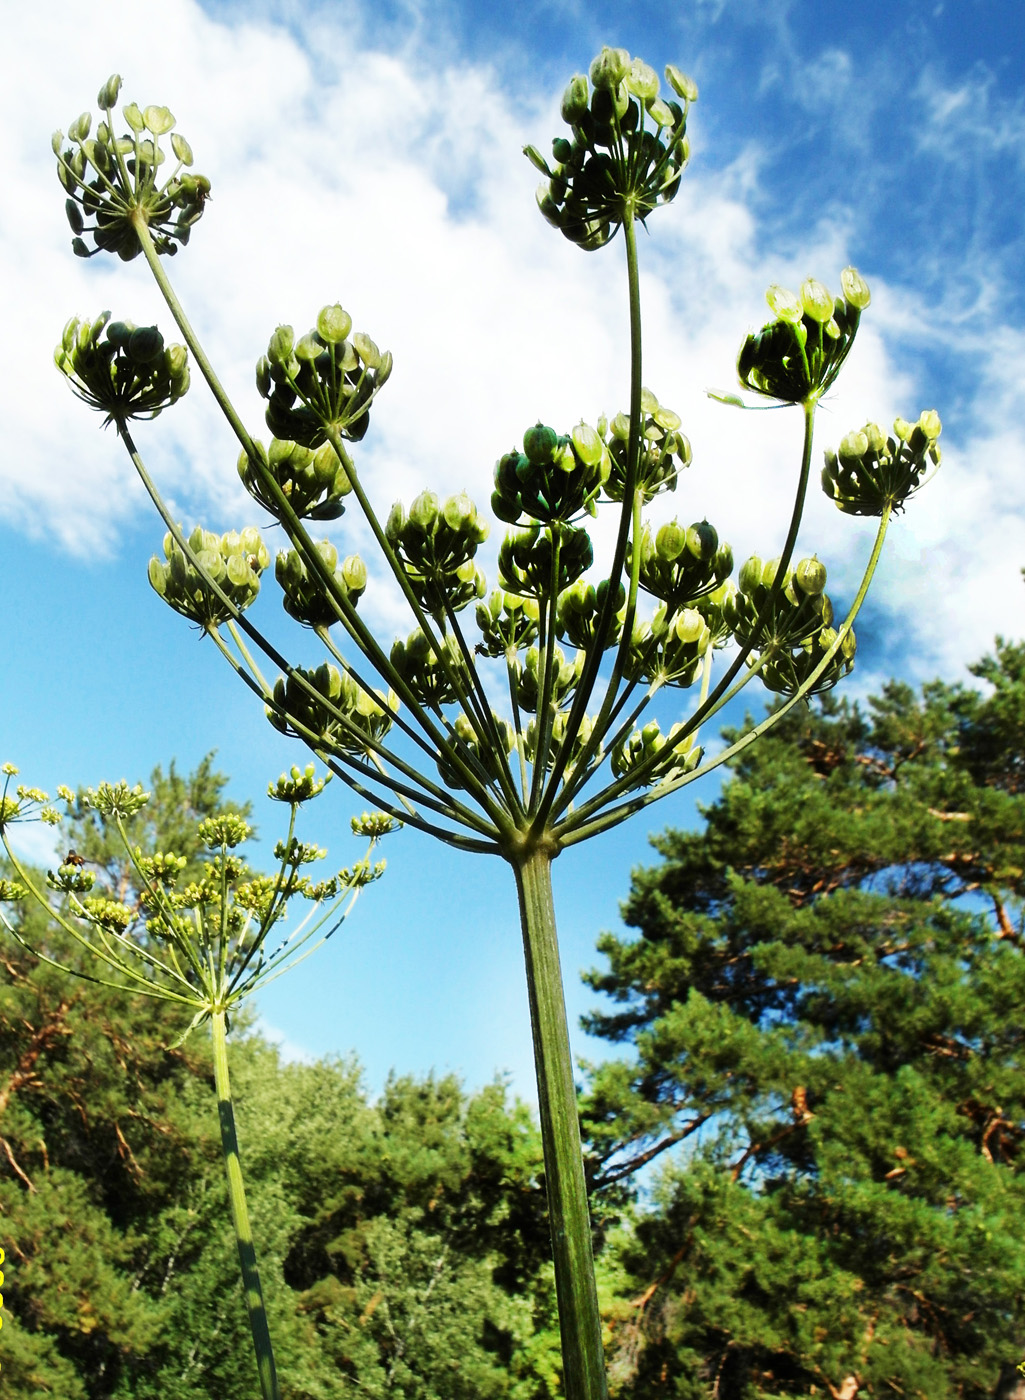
(240,1215)
(569,1218)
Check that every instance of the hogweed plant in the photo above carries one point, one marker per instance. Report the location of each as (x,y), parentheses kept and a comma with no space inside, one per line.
(202,945)
(509,722)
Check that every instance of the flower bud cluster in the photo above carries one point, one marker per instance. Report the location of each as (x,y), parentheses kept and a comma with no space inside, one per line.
(798,612)
(481,758)
(109,914)
(871,473)
(322,380)
(526,560)
(341,714)
(669,649)
(313,482)
(663,451)
(227,829)
(374,825)
(436,543)
(234,561)
(563,680)
(554,479)
(797,356)
(117,801)
(25,805)
(627,149)
(557,741)
(647,744)
(579,611)
(128,373)
(305,596)
(507,622)
(787,672)
(299,785)
(680,565)
(428,675)
(795,634)
(70,879)
(116,181)
(162,867)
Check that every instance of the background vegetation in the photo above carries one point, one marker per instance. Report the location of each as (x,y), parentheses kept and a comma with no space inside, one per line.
(823,998)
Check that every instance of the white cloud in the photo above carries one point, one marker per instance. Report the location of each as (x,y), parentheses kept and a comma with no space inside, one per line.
(291,1052)
(400,189)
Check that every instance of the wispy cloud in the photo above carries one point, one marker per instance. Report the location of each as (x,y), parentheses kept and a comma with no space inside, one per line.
(394,183)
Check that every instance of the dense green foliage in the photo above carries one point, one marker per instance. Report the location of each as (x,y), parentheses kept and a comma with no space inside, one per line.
(825,1000)
(402,1241)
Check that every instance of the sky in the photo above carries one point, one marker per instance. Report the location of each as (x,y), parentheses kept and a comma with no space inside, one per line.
(371,154)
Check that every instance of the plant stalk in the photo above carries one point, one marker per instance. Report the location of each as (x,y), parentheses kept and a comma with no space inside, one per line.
(240,1215)
(579,1319)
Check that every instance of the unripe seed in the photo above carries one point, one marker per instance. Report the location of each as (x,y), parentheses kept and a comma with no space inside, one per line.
(670,541)
(817,300)
(750,575)
(574,99)
(682,85)
(539,444)
(855,288)
(333,324)
(811,576)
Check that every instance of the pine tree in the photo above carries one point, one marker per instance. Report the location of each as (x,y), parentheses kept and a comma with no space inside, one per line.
(825,1000)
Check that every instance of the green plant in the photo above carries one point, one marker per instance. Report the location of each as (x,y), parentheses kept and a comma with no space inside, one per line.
(201,945)
(414,727)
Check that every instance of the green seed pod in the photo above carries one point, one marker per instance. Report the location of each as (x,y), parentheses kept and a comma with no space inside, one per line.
(309,346)
(424,511)
(181,148)
(784,304)
(642,81)
(280,346)
(855,288)
(539,444)
(133,116)
(750,576)
(702,541)
(108,93)
(158,120)
(682,85)
(333,324)
(587,444)
(689,625)
(817,300)
(670,541)
(811,576)
(609,69)
(574,100)
(853,447)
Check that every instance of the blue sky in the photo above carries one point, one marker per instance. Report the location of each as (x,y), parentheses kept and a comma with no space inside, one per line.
(373,156)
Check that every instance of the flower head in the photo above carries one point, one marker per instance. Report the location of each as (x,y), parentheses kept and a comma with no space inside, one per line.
(114,183)
(627,150)
(796,357)
(128,372)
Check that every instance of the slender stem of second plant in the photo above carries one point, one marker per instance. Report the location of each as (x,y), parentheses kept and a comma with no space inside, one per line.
(240,1215)
(579,1319)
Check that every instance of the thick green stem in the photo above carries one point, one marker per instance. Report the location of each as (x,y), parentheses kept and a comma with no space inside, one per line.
(579,1319)
(240,1215)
